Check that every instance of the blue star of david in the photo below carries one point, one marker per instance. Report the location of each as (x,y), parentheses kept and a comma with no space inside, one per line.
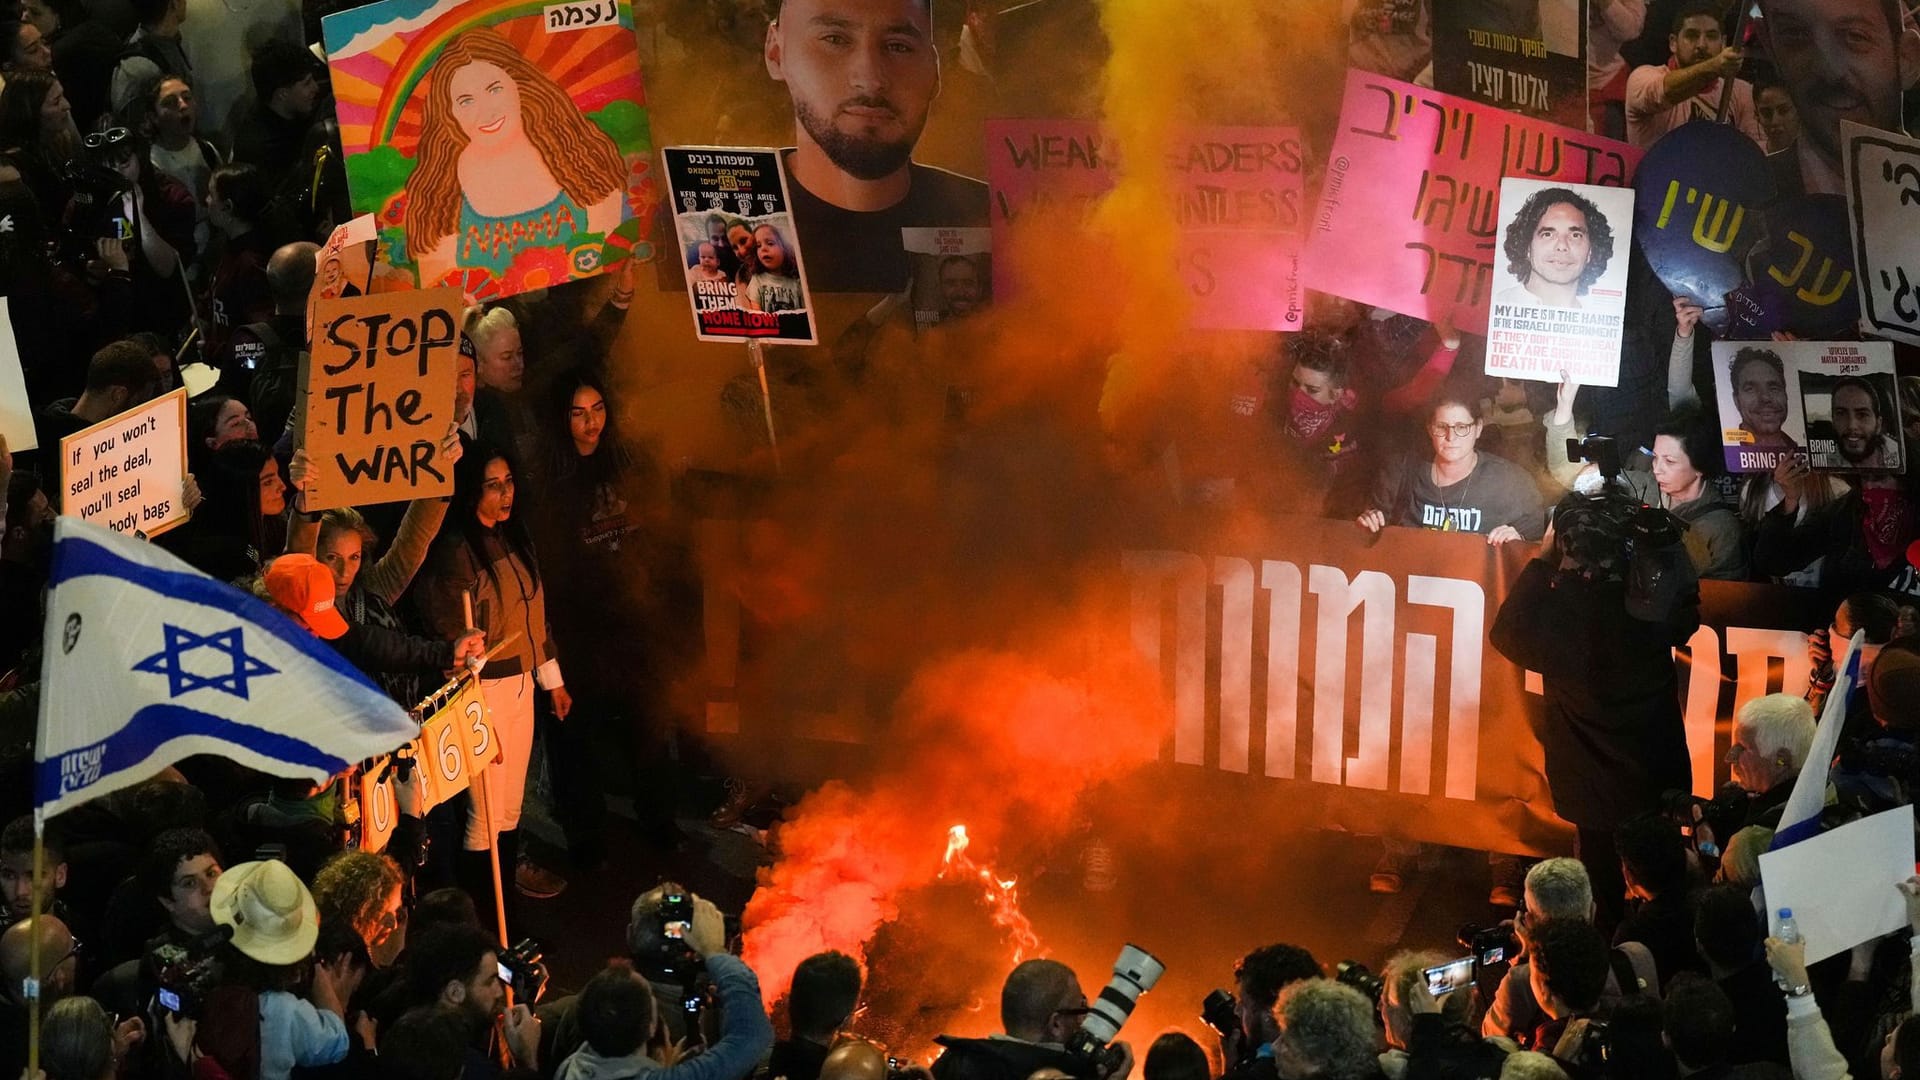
(180,680)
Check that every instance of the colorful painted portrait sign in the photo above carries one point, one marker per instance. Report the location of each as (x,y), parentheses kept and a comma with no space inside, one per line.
(501,146)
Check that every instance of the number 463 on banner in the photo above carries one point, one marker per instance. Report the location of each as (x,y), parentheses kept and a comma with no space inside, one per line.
(455,743)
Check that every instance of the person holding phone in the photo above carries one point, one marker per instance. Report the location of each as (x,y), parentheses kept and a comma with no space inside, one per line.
(1425,1004)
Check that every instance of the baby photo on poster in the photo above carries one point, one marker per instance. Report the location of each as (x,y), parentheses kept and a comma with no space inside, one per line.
(744,271)
(1560,280)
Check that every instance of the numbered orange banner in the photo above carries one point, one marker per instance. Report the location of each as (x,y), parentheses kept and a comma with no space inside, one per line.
(455,743)
(379,807)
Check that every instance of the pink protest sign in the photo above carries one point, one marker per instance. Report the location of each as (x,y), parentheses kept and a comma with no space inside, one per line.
(1409,214)
(1236,196)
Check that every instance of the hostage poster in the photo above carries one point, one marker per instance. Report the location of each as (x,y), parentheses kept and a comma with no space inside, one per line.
(500,146)
(734,226)
(1561,288)
(1832,404)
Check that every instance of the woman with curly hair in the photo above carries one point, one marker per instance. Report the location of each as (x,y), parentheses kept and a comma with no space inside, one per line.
(365,890)
(506,163)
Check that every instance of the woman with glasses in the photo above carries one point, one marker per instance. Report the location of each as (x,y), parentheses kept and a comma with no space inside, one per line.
(485,553)
(1457,488)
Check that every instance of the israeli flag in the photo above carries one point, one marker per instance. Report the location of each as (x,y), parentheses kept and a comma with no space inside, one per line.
(1800,817)
(149,661)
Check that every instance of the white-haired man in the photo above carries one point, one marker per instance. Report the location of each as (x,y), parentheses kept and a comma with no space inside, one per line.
(1556,889)
(1771,738)
(1326,1029)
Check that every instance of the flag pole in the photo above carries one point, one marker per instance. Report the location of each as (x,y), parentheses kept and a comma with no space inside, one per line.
(757,356)
(32,989)
(485,803)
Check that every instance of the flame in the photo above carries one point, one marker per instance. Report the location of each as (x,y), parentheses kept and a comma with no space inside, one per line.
(1001,895)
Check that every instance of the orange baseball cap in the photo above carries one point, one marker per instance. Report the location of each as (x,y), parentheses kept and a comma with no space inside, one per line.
(303,588)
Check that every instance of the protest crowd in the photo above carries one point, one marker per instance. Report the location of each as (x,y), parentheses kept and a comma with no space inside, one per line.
(222,922)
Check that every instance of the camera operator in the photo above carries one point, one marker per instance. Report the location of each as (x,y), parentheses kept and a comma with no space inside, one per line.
(1258,979)
(1041,1006)
(825,991)
(1613,733)
(1557,890)
(1429,1036)
(1771,738)
(1568,969)
(458,967)
(617,1014)
(657,929)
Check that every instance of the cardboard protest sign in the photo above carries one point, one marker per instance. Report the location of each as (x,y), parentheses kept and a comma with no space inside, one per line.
(1561,295)
(128,472)
(1843,886)
(952,273)
(16,413)
(746,279)
(379,384)
(1407,218)
(1831,403)
(500,146)
(1697,212)
(1800,274)
(1237,198)
(1529,58)
(1883,206)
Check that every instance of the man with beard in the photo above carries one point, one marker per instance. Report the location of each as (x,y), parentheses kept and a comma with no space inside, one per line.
(1839,60)
(1859,428)
(1688,86)
(1760,396)
(959,287)
(457,967)
(1557,246)
(863,75)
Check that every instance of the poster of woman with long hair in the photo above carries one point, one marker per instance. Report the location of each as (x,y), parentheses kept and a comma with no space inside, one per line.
(501,146)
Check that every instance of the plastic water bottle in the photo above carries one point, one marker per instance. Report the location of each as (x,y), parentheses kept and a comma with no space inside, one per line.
(1789,933)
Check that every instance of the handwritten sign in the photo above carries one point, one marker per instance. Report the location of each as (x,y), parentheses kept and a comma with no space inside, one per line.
(1235,193)
(1832,404)
(1408,211)
(1561,296)
(1883,206)
(581,15)
(746,278)
(128,472)
(379,396)
(1698,195)
(16,413)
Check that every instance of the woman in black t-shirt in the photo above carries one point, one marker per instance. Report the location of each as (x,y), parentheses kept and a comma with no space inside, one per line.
(1455,487)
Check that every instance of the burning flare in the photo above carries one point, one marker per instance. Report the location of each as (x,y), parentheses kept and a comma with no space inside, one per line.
(1002,896)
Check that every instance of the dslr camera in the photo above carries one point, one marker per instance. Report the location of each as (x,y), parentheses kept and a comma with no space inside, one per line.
(1221,1012)
(524,971)
(1721,814)
(98,211)
(1134,973)
(1361,977)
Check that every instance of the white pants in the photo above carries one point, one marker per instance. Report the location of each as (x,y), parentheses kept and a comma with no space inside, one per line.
(510,708)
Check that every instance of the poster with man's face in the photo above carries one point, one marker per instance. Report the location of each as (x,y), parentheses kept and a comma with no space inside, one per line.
(1830,404)
(863,77)
(1560,295)
(952,274)
(1839,60)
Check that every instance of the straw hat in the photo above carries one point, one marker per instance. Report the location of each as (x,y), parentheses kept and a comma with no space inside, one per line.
(271,912)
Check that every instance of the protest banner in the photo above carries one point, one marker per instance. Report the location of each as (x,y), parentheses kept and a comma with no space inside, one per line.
(128,472)
(379,384)
(379,807)
(553,185)
(952,273)
(1883,184)
(1529,58)
(1562,293)
(746,277)
(1236,197)
(1407,217)
(16,414)
(1843,886)
(1833,404)
(1345,675)
(1696,215)
(344,264)
(1799,275)
(455,743)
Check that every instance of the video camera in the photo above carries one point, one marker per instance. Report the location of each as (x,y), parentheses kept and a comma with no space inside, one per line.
(523,970)
(1602,451)
(1134,973)
(185,975)
(98,210)
(1611,534)
(1721,815)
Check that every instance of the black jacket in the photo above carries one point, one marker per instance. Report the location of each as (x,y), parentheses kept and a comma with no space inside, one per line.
(1440,1050)
(1002,1059)
(1613,734)
(378,649)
